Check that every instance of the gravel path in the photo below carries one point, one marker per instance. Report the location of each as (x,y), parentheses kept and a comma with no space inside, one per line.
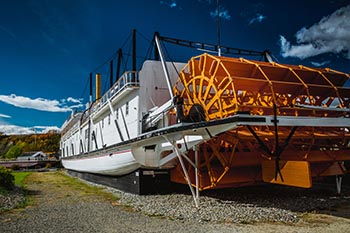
(59,206)
(12,199)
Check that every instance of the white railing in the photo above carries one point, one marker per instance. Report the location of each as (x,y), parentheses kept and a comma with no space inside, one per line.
(128,79)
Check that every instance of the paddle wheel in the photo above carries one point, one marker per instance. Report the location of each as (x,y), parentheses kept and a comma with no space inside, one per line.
(304,136)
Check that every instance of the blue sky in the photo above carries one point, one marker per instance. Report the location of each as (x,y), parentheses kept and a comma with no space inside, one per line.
(49,47)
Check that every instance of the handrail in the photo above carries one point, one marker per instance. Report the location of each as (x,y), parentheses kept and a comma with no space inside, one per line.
(129,78)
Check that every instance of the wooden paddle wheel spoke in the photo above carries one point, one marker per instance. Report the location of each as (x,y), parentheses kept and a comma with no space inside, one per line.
(218,155)
(210,172)
(210,90)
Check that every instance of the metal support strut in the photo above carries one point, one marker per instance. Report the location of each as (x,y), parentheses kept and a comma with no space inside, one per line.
(338,180)
(195,195)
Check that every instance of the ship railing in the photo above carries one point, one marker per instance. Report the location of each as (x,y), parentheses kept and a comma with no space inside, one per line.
(128,79)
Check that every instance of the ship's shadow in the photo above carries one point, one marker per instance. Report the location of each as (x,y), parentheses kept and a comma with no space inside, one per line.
(321,198)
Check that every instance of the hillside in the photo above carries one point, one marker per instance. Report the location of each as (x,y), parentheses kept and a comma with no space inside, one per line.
(12,146)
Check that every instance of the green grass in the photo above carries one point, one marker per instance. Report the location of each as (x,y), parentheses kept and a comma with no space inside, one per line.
(83,188)
(19,178)
(20,181)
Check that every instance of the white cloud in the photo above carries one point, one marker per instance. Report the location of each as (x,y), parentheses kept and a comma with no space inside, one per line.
(4,116)
(73,100)
(46,129)
(318,64)
(330,35)
(16,130)
(169,3)
(220,12)
(40,103)
(258,19)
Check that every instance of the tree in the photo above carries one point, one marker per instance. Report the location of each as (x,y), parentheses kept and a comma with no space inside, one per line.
(15,150)
(14,145)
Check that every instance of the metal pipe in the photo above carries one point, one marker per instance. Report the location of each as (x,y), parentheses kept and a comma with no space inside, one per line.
(178,154)
(156,54)
(98,86)
(120,56)
(338,180)
(90,97)
(165,69)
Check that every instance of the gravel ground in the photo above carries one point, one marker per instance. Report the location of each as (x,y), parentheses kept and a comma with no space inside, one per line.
(12,199)
(267,203)
(61,208)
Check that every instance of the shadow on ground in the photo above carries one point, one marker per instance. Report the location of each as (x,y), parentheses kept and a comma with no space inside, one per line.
(321,198)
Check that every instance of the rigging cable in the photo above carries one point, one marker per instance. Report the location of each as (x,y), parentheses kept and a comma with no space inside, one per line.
(86,85)
(104,63)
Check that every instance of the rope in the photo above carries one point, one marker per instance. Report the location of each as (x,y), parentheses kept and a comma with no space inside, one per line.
(171,60)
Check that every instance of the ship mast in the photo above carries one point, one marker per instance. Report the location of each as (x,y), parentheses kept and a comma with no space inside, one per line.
(219,28)
(165,68)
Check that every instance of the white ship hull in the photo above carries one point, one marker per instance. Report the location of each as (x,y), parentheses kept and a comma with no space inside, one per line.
(117,163)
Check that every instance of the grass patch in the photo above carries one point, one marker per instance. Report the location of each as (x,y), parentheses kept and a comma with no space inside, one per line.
(83,188)
(20,181)
(19,178)
(317,218)
(51,187)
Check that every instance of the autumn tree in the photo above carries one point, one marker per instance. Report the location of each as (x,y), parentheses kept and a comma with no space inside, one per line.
(15,150)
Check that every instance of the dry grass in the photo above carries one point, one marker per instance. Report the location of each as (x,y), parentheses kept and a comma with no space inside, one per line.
(58,186)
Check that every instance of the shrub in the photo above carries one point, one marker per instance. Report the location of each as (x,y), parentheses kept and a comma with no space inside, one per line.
(7,180)
(15,167)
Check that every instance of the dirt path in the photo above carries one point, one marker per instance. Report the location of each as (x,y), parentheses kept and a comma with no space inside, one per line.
(63,204)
